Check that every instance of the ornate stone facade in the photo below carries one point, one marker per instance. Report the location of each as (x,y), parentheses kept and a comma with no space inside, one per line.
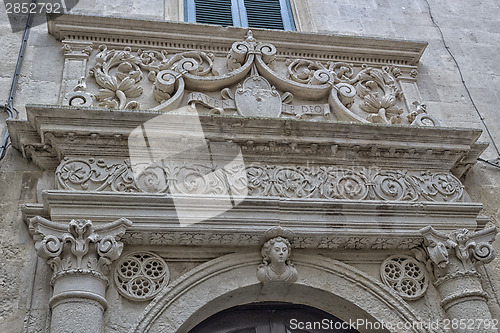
(309,168)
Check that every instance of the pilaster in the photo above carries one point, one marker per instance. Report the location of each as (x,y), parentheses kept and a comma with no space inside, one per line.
(76,55)
(79,254)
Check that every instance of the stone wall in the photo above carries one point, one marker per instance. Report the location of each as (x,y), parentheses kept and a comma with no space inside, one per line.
(471,34)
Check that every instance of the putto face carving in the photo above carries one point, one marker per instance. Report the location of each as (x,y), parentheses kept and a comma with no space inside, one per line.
(279,252)
(276,265)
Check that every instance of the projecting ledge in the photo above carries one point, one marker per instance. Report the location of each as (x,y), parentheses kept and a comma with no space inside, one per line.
(202,217)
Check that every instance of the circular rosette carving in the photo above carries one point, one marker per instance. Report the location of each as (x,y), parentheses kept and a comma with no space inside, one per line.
(291,183)
(152,180)
(405,275)
(349,185)
(140,276)
(392,186)
(74,173)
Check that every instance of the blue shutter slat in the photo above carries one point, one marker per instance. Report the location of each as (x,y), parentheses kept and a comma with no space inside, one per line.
(266,14)
(214,12)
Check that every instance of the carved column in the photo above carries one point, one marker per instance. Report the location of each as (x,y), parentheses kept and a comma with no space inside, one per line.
(454,257)
(80,254)
(76,55)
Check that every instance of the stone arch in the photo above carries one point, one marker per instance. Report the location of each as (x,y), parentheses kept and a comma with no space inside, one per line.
(230,280)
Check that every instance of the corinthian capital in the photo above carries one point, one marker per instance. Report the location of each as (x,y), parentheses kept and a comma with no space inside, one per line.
(460,250)
(78,246)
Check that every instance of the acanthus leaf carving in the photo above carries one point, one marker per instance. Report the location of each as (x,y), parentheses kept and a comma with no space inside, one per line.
(78,246)
(458,251)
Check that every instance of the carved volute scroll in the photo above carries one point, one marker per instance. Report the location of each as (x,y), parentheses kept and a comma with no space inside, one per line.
(276,264)
(454,257)
(253,82)
(460,251)
(78,247)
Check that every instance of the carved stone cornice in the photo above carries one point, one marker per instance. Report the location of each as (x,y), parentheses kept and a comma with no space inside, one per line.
(70,131)
(175,36)
(78,247)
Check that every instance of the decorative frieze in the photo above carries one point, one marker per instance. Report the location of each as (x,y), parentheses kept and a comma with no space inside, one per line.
(322,182)
(315,241)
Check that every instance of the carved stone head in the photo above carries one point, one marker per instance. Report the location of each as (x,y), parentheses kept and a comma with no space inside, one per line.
(276,264)
(276,250)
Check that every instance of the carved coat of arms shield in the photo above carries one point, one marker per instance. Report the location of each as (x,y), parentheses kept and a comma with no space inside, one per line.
(257,98)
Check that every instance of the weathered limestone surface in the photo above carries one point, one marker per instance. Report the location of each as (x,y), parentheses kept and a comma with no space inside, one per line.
(471,32)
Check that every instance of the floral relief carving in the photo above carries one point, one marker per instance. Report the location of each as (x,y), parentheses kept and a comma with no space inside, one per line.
(327,89)
(118,74)
(262,180)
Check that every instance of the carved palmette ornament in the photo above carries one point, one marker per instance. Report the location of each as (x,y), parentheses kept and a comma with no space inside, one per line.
(140,276)
(405,275)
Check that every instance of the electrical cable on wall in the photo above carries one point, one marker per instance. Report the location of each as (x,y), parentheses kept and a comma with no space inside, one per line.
(9,105)
(496,162)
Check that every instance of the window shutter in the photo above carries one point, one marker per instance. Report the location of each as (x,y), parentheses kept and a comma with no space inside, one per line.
(214,12)
(269,14)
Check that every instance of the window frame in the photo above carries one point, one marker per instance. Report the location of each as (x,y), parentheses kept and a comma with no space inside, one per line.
(239,14)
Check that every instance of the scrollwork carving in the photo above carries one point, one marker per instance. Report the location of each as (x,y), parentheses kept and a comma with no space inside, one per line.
(460,250)
(361,93)
(261,180)
(78,246)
